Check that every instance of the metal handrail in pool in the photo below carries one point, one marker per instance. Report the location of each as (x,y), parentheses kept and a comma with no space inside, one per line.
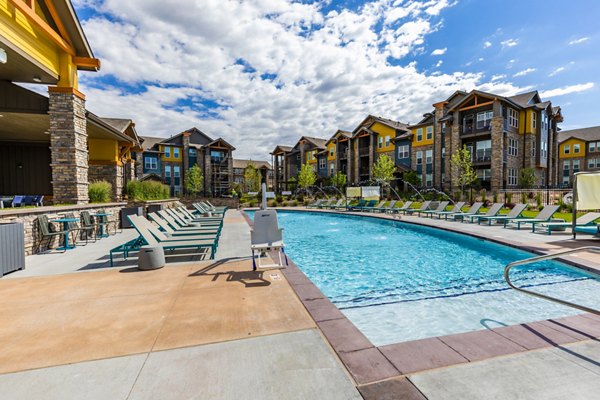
(592,249)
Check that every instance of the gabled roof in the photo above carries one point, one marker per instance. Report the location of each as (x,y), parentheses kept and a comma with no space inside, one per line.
(371,119)
(126,126)
(148,142)
(427,120)
(526,99)
(221,142)
(281,149)
(319,143)
(244,163)
(106,127)
(586,134)
(339,133)
(480,93)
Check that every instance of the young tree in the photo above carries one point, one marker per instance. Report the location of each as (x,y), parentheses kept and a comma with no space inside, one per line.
(338,180)
(383,170)
(306,176)
(252,178)
(527,178)
(193,180)
(461,169)
(411,178)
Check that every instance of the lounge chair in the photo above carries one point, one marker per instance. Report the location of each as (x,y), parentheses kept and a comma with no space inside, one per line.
(316,204)
(177,223)
(456,209)
(584,220)
(441,207)
(327,203)
(361,204)
(404,206)
(338,204)
(186,216)
(149,238)
(491,212)
(266,235)
(424,207)
(205,210)
(515,213)
(167,237)
(543,216)
(474,209)
(378,207)
(216,208)
(389,207)
(164,225)
(17,201)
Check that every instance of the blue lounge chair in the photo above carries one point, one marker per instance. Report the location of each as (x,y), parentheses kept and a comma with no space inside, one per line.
(456,209)
(583,221)
(472,211)
(491,212)
(515,213)
(544,216)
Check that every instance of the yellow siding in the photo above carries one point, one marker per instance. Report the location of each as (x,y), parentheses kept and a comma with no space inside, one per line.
(521,121)
(572,154)
(330,147)
(383,131)
(103,150)
(424,141)
(15,27)
(171,157)
(311,157)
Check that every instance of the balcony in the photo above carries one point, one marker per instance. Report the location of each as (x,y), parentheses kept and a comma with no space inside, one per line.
(472,129)
(482,156)
(342,155)
(363,151)
(219,160)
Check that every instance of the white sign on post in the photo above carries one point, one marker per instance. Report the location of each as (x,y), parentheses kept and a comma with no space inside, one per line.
(286,193)
(270,195)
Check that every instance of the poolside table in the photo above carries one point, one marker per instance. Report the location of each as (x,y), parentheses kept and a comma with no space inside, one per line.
(65,222)
(102,222)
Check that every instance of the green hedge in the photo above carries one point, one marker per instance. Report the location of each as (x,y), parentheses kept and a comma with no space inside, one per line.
(147,190)
(99,192)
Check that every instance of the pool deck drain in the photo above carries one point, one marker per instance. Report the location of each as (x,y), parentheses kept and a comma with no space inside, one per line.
(374,367)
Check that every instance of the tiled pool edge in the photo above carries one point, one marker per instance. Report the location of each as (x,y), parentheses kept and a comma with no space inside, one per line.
(371,364)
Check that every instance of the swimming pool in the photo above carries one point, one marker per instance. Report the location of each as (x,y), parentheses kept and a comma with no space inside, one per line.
(398,282)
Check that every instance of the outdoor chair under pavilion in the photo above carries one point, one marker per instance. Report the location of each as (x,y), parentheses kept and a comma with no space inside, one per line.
(456,209)
(543,216)
(582,221)
(266,235)
(515,213)
(491,212)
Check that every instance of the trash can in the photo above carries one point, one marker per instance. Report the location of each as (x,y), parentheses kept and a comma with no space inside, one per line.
(151,257)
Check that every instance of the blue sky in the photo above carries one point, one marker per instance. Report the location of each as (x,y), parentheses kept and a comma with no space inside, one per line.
(263,73)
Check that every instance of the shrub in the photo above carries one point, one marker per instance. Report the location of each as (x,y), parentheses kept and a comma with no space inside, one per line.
(538,199)
(99,192)
(495,196)
(483,195)
(508,198)
(147,190)
(295,203)
(306,202)
(524,198)
(284,203)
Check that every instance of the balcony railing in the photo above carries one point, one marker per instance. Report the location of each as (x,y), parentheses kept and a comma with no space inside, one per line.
(482,156)
(466,129)
(343,155)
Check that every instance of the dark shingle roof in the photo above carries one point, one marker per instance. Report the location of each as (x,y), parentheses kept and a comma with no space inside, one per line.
(117,123)
(523,99)
(150,141)
(586,134)
(244,163)
(318,142)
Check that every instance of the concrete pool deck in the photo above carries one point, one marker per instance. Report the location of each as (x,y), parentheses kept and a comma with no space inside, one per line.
(216,330)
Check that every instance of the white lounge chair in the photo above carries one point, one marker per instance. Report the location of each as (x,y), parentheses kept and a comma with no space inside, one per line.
(266,235)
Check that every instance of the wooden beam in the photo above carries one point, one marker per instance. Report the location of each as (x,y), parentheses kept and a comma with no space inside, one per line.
(476,106)
(86,62)
(40,23)
(57,21)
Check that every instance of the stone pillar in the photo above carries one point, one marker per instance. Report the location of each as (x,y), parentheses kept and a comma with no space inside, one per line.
(69,145)
(437,154)
(230,169)
(139,165)
(207,173)
(371,154)
(452,146)
(356,160)
(497,166)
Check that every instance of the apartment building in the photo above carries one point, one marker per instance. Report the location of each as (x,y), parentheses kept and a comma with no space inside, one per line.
(263,167)
(168,160)
(578,150)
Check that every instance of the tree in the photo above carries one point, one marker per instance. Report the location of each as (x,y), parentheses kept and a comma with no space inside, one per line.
(411,178)
(461,169)
(251,178)
(193,180)
(338,180)
(527,179)
(383,170)
(306,176)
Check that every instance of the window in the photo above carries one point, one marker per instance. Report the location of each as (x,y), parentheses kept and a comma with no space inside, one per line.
(331,151)
(419,134)
(443,177)
(513,118)
(298,157)
(533,147)
(593,147)
(167,152)
(513,147)
(322,163)
(484,119)
(419,157)
(576,164)
(544,121)
(176,171)
(379,142)
(483,150)
(168,174)
(429,156)
(512,177)
(484,174)
(429,180)
(309,155)
(150,163)
(387,141)
(192,152)
(331,168)
(534,120)
(429,134)
(544,150)
(404,151)
(567,149)
(576,148)
(566,174)
(175,152)
(443,127)
(217,156)
(591,163)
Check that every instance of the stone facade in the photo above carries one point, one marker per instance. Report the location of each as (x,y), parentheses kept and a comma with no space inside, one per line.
(68,143)
(113,174)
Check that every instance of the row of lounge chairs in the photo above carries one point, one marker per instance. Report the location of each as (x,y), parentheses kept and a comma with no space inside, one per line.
(542,222)
(177,229)
(21,201)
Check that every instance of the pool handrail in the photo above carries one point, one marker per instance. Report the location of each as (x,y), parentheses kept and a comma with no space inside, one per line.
(592,249)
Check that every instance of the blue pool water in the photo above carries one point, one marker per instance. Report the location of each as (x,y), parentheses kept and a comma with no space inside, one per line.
(399,282)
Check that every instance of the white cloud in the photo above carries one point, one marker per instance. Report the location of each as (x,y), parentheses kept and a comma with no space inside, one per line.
(439,64)
(439,52)
(567,90)
(556,71)
(524,72)
(497,77)
(510,42)
(480,59)
(578,41)
(171,68)
(487,44)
